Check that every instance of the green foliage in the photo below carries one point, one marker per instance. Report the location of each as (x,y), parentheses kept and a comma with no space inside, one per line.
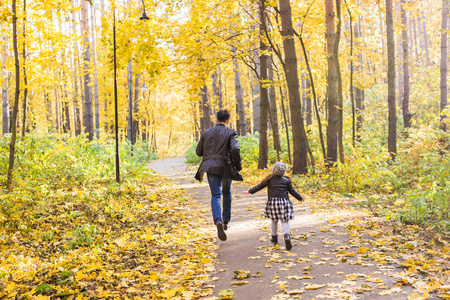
(83,236)
(52,167)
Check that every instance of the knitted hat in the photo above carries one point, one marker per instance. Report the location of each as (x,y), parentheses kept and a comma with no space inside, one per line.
(278,168)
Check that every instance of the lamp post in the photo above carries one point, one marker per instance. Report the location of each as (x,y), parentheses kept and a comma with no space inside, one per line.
(116,112)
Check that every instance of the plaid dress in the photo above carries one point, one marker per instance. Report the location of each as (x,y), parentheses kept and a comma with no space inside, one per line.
(279,209)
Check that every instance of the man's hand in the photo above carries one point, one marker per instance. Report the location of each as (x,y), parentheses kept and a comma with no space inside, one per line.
(245,192)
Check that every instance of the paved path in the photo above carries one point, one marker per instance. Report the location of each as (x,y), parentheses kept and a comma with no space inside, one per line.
(323,263)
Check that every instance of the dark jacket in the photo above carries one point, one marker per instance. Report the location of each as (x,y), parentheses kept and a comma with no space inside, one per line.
(214,145)
(278,187)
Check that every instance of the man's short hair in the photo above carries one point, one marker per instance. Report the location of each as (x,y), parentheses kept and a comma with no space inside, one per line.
(223,115)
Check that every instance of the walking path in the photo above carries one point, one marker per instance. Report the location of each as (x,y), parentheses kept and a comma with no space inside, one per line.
(323,263)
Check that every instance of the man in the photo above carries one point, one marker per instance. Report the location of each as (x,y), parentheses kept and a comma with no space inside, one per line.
(215,145)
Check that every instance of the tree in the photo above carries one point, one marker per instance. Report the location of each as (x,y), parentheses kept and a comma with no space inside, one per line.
(300,141)
(241,123)
(263,157)
(273,111)
(444,89)
(12,145)
(256,90)
(5,94)
(332,80)
(88,121)
(339,81)
(406,82)
(94,59)
(25,77)
(392,131)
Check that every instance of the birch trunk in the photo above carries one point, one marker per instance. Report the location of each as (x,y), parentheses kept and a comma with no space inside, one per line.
(88,121)
(94,59)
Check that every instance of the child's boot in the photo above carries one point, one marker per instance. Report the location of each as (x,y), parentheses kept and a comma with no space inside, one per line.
(274,239)
(287,240)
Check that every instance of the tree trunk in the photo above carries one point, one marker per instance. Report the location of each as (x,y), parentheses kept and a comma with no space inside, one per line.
(88,121)
(308,102)
(444,91)
(392,134)
(206,110)
(406,84)
(300,165)
(241,123)
(316,109)
(57,114)
(135,110)
(214,87)
(358,90)
(332,80)
(5,93)
(219,74)
(256,90)
(351,89)
(263,157)
(76,109)
(415,42)
(25,77)
(425,39)
(130,100)
(400,61)
(420,40)
(273,111)
(339,80)
(94,59)
(12,145)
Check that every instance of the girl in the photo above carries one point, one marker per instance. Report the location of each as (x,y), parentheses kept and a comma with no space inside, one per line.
(278,206)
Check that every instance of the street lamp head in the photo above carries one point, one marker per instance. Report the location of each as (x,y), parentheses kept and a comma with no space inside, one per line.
(144,88)
(144,16)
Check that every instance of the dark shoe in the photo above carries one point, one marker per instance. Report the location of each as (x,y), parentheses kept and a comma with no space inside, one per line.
(220,233)
(287,240)
(274,239)
(225,225)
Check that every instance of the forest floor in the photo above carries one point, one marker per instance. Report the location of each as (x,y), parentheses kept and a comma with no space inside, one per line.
(340,251)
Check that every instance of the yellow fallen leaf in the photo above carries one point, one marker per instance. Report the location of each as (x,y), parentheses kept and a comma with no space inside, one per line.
(307,268)
(226,294)
(10,287)
(314,286)
(237,283)
(390,291)
(295,292)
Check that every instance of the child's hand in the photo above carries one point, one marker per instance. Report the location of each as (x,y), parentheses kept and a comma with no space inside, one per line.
(245,192)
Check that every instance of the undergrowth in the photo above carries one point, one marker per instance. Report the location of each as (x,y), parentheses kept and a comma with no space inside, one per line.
(69,231)
(414,188)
